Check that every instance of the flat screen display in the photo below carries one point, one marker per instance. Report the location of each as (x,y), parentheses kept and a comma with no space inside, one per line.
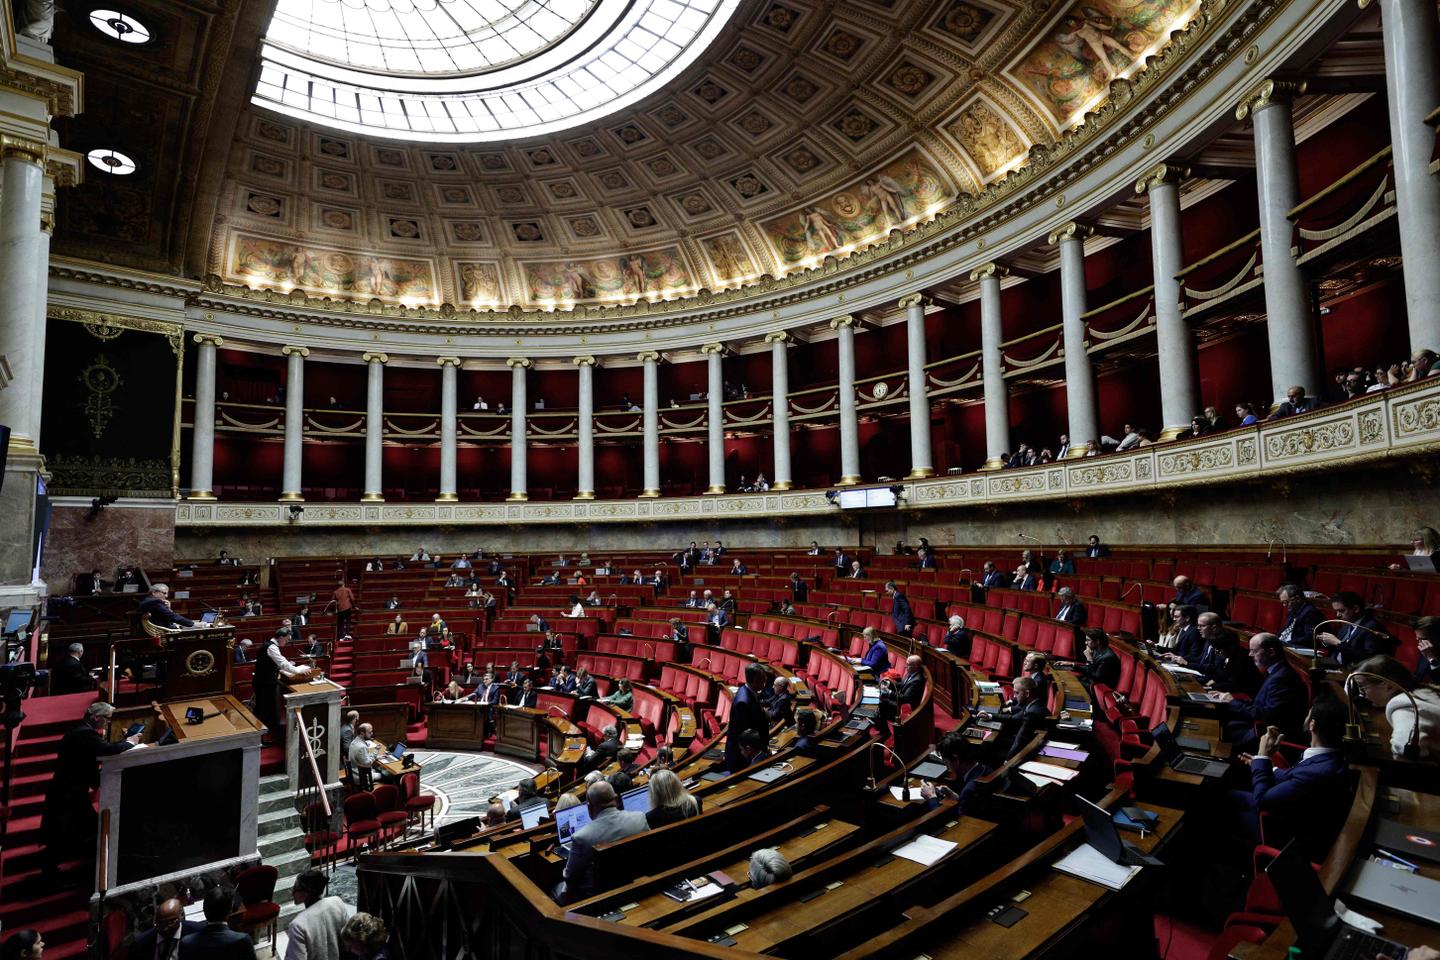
(867,499)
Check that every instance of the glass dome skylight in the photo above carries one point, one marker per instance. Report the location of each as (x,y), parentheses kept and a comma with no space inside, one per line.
(475,70)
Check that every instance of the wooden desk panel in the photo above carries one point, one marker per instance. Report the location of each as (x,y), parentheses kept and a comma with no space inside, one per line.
(457,726)
(224,716)
(518,731)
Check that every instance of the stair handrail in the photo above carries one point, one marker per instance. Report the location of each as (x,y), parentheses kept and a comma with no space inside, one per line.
(314,767)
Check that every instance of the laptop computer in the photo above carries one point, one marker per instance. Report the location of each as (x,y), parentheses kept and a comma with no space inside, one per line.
(568,821)
(1312,912)
(208,616)
(769,774)
(930,770)
(1185,762)
(1409,841)
(530,816)
(1420,564)
(1100,833)
(636,801)
(1398,890)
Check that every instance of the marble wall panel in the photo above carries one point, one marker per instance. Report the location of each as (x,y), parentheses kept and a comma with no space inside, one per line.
(127,532)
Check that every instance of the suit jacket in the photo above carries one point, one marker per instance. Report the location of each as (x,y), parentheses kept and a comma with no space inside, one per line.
(746,713)
(144,946)
(70,676)
(77,766)
(315,932)
(1233,672)
(993,579)
(740,570)
(1311,798)
(910,689)
(1097,552)
(1103,669)
(488,693)
(566,685)
(1190,645)
(1281,701)
(1300,624)
(523,699)
(781,709)
(161,615)
(1194,597)
(1027,582)
(1358,643)
(611,824)
(901,614)
(1021,725)
(958,642)
(842,562)
(1073,612)
(877,658)
(216,942)
(586,687)
(927,562)
(1288,409)
(800,590)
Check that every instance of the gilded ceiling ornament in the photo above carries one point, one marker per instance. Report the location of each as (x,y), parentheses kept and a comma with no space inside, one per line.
(100,381)
(104,331)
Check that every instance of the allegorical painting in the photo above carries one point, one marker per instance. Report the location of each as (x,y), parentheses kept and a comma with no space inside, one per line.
(479,283)
(986,137)
(896,194)
(275,263)
(608,278)
(728,257)
(1092,44)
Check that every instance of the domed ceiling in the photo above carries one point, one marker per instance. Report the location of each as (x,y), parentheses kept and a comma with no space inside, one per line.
(805,130)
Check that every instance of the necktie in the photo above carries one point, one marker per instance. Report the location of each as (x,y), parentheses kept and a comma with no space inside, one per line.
(167,948)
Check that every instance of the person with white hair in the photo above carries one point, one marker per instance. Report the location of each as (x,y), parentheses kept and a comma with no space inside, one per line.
(70,674)
(957,638)
(670,802)
(157,607)
(607,824)
(767,866)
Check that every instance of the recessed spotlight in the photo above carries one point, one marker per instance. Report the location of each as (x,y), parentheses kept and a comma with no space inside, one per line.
(111,161)
(120,27)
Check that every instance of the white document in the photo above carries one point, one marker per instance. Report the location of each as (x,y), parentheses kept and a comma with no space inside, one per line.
(1087,863)
(899,793)
(1176,668)
(1062,744)
(987,687)
(925,849)
(705,890)
(1051,770)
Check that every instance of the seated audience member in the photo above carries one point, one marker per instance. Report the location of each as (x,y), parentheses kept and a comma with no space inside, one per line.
(737,568)
(1424,542)
(1213,420)
(990,575)
(799,589)
(1301,616)
(1020,719)
(1384,681)
(1062,564)
(1225,666)
(925,558)
(71,676)
(1188,646)
(216,941)
(1296,402)
(857,572)
(577,609)
(900,613)
(807,722)
(607,824)
(528,696)
(494,815)
(1427,639)
(1280,701)
(1023,579)
(1359,636)
(397,627)
(364,937)
(1198,427)
(1307,801)
(670,802)
(1186,593)
(754,750)
(779,705)
(877,656)
(622,696)
(1071,609)
(1034,668)
(729,604)
(1245,413)
(1102,666)
(1095,550)
(170,926)
(157,607)
(312,647)
(585,687)
(962,756)
(454,693)
(364,751)
(909,690)
(768,866)
(607,749)
(957,638)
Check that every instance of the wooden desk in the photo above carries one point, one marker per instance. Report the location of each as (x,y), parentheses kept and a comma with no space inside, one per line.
(457,726)
(518,731)
(224,716)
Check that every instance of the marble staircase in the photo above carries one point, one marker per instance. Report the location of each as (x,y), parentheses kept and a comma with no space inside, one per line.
(281,839)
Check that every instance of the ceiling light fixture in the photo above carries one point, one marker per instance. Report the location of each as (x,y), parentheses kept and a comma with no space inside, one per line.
(111,161)
(119,26)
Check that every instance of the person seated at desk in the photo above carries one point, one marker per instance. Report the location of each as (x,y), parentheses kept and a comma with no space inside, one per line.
(1101,664)
(313,647)
(877,656)
(1189,646)
(585,687)
(779,705)
(364,751)
(216,941)
(454,693)
(70,674)
(926,558)
(1023,579)
(670,802)
(1308,801)
(397,627)
(909,690)
(1019,719)
(1071,610)
(564,680)
(541,624)
(242,651)
(157,607)
(468,675)
(716,620)
(737,568)
(856,572)
(754,750)
(1280,701)
(607,824)
(1225,666)
(962,756)
(1427,641)
(607,749)
(957,638)
(768,866)
(658,582)
(1034,668)
(1062,565)
(1301,616)
(1187,594)
(1360,635)
(577,609)
(503,581)
(162,941)
(1096,550)
(691,602)
(990,576)
(622,696)
(550,579)
(807,724)
(594,600)
(302,616)
(1398,692)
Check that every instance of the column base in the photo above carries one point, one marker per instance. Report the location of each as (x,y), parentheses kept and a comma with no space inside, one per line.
(584,495)
(22,446)
(1078,450)
(447,498)
(649,493)
(994,463)
(714,489)
(782,485)
(292,496)
(201,495)
(517,495)
(1170,433)
(373,498)
(920,473)
(848,481)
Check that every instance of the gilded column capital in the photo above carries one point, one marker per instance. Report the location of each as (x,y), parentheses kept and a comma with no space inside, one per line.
(915,300)
(1073,230)
(295,351)
(713,348)
(203,338)
(523,363)
(1160,174)
(779,336)
(585,361)
(990,271)
(848,320)
(375,357)
(1267,92)
(448,361)
(648,356)
(22,147)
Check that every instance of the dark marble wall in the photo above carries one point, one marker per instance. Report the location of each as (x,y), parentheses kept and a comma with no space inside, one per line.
(128,532)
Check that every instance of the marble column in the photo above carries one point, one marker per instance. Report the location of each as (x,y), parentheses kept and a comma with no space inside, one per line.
(585,424)
(42,304)
(449,416)
(922,462)
(202,438)
(715,416)
(780,408)
(1079,378)
(374,427)
(992,367)
(651,422)
(519,485)
(1411,40)
(1179,379)
(1289,324)
(844,328)
(290,485)
(23,179)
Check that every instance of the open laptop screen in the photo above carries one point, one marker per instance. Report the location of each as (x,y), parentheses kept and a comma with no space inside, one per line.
(569,820)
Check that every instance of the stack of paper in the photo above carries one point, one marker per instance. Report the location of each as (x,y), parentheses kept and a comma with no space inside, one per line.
(925,849)
(1050,770)
(1176,668)
(1090,864)
(987,687)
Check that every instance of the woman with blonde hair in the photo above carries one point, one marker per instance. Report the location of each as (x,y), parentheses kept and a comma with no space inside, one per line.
(1424,542)
(670,802)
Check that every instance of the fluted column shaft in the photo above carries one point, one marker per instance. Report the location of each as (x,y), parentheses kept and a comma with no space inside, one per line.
(374,427)
(780,409)
(715,416)
(922,460)
(20,238)
(519,484)
(42,304)
(585,451)
(651,424)
(449,414)
(844,328)
(1079,378)
(1289,325)
(992,367)
(290,483)
(1411,39)
(202,438)
(1179,380)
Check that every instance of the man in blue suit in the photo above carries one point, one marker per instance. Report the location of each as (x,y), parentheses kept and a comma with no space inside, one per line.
(900,613)
(990,576)
(1301,616)
(877,656)
(1071,609)
(747,712)
(1280,702)
(1309,800)
(1360,636)
(216,941)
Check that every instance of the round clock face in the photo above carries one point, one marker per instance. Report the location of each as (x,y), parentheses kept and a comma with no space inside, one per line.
(200,663)
(882,390)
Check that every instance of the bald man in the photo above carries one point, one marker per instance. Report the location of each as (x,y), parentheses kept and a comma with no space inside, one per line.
(607,823)
(162,941)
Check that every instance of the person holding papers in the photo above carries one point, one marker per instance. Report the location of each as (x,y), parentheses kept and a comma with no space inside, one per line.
(877,657)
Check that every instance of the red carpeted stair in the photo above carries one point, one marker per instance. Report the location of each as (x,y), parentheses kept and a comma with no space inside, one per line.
(63,918)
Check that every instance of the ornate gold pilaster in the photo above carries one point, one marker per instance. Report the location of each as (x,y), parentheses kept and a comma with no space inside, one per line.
(204,338)
(1160,174)
(846,320)
(24,147)
(780,336)
(710,348)
(649,356)
(1266,93)
(524,362)
(455,361)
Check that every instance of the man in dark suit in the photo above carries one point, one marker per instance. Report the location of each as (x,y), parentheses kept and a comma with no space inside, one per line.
(1281,701)
(1071,609)
(1301,616)
(216,941)
(746,713)
(528,696)
(1102,665)
(842,562)
(585,684)
(1359,637)
(779,705)
(1034,668)
(1096,550)
(1427,640)
(1296,402)
(910,688)
(1189,646)
(157,606)
(927,558)
(1307,801)
(799,589)
(70,675)
(990,575)
(900,614)
(607,749)
(1020,719)
(68,822)
(1225,665)
(1187,594)
(162,941)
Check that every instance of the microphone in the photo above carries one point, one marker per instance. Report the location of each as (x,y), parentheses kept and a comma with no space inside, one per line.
(1026,536)
(870,753)
(651,646)
(558,711)
(1127,591)
(1411,750)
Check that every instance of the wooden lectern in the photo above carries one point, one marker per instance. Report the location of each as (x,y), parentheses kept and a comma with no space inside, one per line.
(319,704)
(517,731)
